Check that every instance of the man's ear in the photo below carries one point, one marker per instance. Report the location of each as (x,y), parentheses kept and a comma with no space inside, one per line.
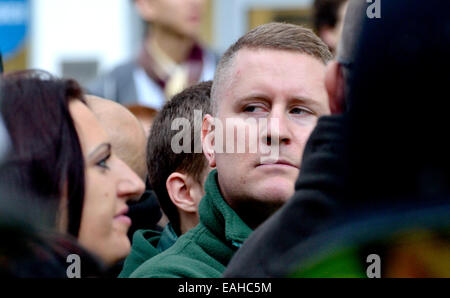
(178,187)
(334,83)
(145,9)
(208,140)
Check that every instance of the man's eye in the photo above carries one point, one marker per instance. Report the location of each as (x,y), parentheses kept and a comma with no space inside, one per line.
(300,111)
(253,109)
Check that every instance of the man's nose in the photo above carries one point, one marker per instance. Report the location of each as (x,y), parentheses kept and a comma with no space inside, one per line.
(277,129)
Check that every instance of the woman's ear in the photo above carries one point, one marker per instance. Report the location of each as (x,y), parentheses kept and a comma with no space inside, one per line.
(179,191)
(335,86)
(146,9)
(208,140)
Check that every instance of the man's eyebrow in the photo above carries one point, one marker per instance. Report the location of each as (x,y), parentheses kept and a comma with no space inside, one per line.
(100,148)
(304,99)
(253,96)
(317,107)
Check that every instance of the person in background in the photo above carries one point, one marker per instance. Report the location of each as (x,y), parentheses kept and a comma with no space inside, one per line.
(171,58)
(145,115)
(328,18)
(63,159)
(178,178)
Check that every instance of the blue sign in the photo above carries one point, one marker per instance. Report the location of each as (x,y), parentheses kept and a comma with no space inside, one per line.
(14,19)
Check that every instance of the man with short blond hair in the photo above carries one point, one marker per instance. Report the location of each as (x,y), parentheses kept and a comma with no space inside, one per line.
(273,74)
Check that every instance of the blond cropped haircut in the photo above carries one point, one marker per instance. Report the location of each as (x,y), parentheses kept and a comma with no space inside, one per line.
(272,36)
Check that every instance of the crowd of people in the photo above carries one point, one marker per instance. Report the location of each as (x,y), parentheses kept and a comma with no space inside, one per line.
(157,176)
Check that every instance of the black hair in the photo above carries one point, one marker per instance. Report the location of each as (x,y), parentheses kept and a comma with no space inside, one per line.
(325,13)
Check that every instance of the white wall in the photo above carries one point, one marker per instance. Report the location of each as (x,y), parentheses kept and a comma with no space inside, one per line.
(80,30)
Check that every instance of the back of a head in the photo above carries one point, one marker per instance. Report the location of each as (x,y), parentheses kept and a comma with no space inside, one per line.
(145,115)
(397,103)
(46,158)
(127,135)
(178,122)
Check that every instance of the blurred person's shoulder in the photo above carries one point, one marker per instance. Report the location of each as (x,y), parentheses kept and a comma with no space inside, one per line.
(115,84)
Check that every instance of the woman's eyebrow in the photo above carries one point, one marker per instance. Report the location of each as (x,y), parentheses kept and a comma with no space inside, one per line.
(104,146)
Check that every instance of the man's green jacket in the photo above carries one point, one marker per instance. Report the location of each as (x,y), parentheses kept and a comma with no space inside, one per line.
(204,251)
(147,244)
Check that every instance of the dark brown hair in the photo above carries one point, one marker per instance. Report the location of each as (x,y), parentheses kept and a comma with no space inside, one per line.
(162,160)
(325,13)
(46,160)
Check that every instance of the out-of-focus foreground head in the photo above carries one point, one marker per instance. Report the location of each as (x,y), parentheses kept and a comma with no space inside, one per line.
(339,70)
(61,158)
(396,97)
(126,132)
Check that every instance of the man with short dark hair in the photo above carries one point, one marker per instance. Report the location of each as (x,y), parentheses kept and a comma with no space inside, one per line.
(177,177)
(268,90)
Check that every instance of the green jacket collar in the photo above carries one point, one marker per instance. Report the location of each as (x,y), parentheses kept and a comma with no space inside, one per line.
(145,245)
(143,248)
(218,216)
(168,238)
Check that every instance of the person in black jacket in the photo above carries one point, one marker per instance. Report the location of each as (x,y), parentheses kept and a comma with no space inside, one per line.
(384,151)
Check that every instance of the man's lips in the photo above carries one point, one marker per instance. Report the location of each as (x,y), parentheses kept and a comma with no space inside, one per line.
(279,162)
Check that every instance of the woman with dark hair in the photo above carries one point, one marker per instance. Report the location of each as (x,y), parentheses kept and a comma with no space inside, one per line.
(63,159)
